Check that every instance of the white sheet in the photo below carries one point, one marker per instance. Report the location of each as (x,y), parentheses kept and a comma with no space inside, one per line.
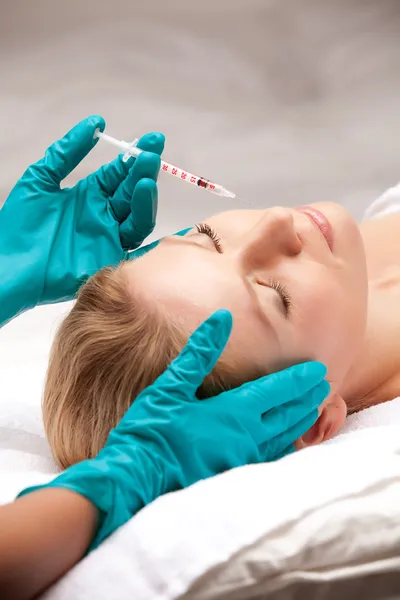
(323,512)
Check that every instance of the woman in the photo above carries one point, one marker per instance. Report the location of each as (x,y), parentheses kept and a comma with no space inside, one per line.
(301,284)
(51,239)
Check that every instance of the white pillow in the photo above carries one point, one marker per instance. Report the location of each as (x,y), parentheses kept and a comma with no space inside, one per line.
(319,515)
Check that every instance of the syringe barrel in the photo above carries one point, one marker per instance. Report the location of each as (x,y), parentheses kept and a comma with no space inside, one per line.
(189,177)
(201,182)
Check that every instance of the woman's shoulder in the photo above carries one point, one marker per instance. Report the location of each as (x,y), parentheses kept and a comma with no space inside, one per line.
(387,204)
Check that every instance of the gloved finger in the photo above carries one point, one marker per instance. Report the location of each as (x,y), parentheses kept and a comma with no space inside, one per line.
(110,176)
(64,155)
(279,418)
(147,165)
(284,386)
(283,417)
(152,142)
(186,373)
(142,218)
(274,448)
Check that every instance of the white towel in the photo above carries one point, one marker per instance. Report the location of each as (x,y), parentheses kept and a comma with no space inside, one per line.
(312,514)
(381,415)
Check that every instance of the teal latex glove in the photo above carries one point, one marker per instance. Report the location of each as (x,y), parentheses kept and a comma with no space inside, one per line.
(53,239)
(168,439)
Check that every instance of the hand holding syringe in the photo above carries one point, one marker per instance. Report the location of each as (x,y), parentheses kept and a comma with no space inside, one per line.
(131,149)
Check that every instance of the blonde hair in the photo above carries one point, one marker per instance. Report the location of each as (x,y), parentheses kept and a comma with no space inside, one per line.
(111,346)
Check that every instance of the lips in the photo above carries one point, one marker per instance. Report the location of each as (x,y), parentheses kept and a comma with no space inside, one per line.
(320,221)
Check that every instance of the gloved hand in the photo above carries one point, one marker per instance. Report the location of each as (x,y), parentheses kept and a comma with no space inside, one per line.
(53,239)
(168,439)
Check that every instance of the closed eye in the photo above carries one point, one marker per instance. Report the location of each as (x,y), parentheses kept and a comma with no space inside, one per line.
(211,233)
(284,296)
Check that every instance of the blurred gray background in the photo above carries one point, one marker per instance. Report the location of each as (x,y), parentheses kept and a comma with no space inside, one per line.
(282,101)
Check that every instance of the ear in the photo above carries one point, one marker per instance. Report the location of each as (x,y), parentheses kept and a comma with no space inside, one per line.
(331,419)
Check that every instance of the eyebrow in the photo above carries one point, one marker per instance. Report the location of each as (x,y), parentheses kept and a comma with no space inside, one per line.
(250,290)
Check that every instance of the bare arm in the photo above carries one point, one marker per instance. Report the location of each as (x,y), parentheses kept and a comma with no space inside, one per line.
(42,535)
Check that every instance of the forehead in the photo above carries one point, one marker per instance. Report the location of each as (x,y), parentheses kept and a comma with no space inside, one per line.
(191,282)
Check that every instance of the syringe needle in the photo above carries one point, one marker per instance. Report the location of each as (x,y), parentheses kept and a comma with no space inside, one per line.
(242,200)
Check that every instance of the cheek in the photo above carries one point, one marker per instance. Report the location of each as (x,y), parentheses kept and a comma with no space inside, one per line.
(330,328)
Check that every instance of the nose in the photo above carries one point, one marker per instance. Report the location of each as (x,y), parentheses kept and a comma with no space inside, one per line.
(271,239)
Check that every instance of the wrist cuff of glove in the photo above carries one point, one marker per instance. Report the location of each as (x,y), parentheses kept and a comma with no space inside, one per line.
(115,494)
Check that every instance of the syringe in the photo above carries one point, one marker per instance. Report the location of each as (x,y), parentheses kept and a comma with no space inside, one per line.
(131,150)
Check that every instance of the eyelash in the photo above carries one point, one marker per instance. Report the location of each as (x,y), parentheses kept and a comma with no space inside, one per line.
(212,234)
(282,291)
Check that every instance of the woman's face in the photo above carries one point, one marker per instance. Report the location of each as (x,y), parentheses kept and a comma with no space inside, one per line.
(294,280)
